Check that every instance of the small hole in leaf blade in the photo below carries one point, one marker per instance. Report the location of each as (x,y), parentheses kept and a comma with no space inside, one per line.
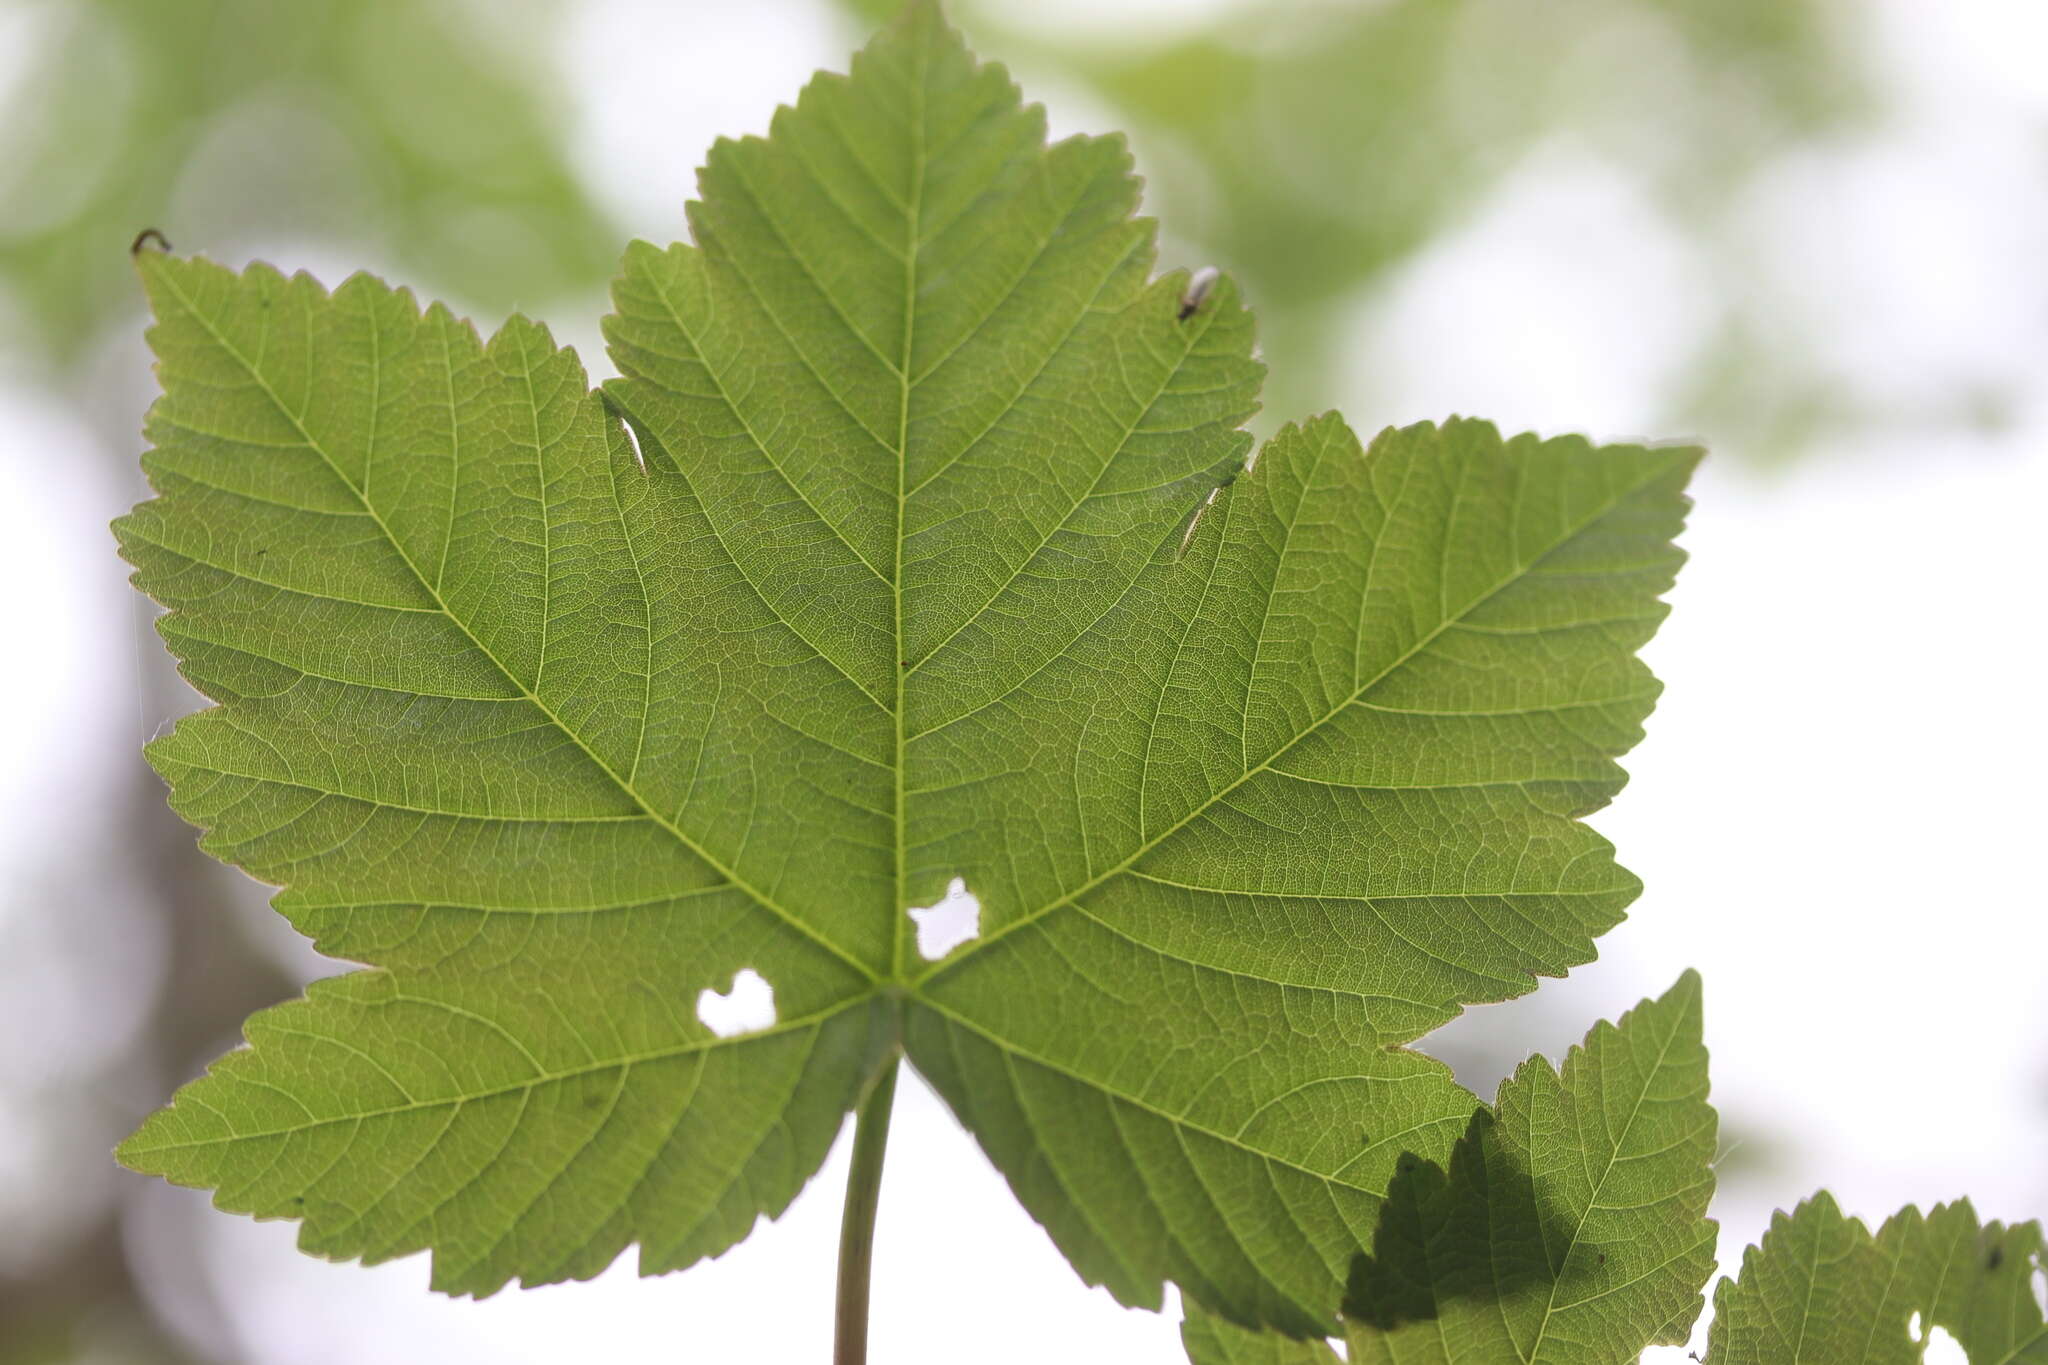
(1943,1349)
(748,1007)
(955,919)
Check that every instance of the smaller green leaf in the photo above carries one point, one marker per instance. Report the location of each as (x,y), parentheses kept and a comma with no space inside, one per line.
(1569,1226)
(1821,1288)
(1814,1290)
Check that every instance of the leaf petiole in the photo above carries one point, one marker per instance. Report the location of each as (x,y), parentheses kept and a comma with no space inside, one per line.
(857,1222)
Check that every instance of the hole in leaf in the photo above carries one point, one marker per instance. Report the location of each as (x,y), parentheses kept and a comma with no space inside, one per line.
(1943,1349)
(954,920)
(2039,1279)
(748,1007)
(1913,1327)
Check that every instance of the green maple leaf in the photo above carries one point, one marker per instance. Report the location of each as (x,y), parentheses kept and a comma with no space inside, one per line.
(922,552)
(1569,1225)
(1821,1288)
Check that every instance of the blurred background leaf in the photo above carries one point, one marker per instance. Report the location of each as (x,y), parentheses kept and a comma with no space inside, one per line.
(428,133)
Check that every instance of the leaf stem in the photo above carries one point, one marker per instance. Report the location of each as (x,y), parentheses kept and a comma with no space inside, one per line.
(857,1223)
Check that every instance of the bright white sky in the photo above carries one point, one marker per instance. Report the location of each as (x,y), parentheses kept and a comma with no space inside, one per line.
(1836,811)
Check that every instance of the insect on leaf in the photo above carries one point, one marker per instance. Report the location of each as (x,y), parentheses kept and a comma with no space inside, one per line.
(896,580)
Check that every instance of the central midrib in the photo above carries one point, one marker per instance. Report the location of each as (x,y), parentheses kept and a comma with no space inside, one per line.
(899,908)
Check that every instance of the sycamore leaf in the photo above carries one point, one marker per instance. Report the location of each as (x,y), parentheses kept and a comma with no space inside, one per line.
(911,546)
(1820,1288)
(1569,1225)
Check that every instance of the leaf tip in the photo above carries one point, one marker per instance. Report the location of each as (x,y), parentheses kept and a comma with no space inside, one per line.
(1687,989)
(1679,1010)
(921,16)
(134,1151)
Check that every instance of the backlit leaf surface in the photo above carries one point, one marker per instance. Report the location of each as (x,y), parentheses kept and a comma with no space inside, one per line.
(1821,1288)
(913,544)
